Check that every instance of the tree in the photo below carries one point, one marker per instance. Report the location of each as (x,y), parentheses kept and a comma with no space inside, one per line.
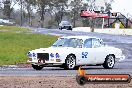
(86,21)
(26,9)
(108,5)
(75,10)
(1,9)
(21,4)
(108,8)
(1,4)
(29,6)
(59,9)
(7,8)
(42,8)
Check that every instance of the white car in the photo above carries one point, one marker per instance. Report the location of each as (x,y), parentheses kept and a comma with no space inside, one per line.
(70,52)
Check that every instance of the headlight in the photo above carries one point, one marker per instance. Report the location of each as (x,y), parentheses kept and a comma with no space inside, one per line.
(29,54)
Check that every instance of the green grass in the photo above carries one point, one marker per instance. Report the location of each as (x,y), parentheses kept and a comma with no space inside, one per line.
(14,46)
(12,28)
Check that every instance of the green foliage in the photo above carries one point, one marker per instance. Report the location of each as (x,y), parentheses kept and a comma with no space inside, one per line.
(108,6)
(86,22)
(75,12)
(60,12)
(14,46)
(7,8)
(51,23)
(98,22)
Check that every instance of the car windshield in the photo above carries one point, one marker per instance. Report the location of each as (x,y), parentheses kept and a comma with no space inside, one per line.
(64,42)
(65,23)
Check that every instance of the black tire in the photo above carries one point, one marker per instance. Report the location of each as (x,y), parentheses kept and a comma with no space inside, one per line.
(70,62)
(37,67)
(69,28)
(109,62)
(60,28)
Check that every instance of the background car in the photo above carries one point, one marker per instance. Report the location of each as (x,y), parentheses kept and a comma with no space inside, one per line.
(65,25)
(70,52)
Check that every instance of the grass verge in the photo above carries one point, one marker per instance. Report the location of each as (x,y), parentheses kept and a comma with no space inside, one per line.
(12,28)
(14,46)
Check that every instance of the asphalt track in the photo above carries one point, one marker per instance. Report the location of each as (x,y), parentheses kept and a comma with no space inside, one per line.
(121,41)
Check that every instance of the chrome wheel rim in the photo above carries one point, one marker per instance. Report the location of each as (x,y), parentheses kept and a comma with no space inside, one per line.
(71,62)
(111,61)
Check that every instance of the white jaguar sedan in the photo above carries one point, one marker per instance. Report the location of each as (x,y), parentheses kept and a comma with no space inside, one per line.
(70,52)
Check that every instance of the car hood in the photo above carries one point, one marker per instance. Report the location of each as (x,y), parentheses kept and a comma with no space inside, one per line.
(50,49)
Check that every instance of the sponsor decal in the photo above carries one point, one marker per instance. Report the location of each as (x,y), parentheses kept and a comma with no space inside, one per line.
(51,55)
(51,59)
(58,60)
(83,78)
(55,55)
(34,55)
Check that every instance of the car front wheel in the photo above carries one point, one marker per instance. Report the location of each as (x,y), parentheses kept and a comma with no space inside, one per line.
(37,67)
(109,62)
(69,28)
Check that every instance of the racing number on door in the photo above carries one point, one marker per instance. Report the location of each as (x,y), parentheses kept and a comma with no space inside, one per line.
(84,54)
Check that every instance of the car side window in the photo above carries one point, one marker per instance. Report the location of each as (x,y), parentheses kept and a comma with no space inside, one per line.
(79,43)
(76,43)
(96,43)
(88,43)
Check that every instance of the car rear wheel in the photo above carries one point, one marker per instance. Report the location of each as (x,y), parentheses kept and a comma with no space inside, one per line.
(109,62)
(70,62)
(37,67)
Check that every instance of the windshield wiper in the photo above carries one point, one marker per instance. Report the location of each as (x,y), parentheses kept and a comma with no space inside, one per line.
(57,45)
(54,45)
(60,45)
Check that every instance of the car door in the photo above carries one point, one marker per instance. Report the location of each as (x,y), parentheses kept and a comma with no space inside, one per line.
(99,52)
(92,52)
(86,53)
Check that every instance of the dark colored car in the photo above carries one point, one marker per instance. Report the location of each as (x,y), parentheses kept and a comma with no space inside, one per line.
(65,25)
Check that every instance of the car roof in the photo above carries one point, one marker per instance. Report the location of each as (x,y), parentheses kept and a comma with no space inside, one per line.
(80,37)
(64,21)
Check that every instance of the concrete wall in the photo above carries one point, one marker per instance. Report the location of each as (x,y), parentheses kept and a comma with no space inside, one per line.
(82,29)
(115,31)
(106,30)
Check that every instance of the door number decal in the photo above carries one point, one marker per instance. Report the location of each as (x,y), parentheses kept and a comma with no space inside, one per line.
(84,54)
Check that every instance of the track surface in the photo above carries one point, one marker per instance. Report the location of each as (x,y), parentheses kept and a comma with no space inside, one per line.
(120,41)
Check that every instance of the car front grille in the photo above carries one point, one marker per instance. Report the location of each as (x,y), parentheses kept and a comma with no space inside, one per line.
(43,56)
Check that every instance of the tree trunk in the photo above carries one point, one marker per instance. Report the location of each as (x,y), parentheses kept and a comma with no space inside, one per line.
(61,16)
(21,14)
(29,14)
(42,16)
(92,24)
(29,18)
(74,21)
